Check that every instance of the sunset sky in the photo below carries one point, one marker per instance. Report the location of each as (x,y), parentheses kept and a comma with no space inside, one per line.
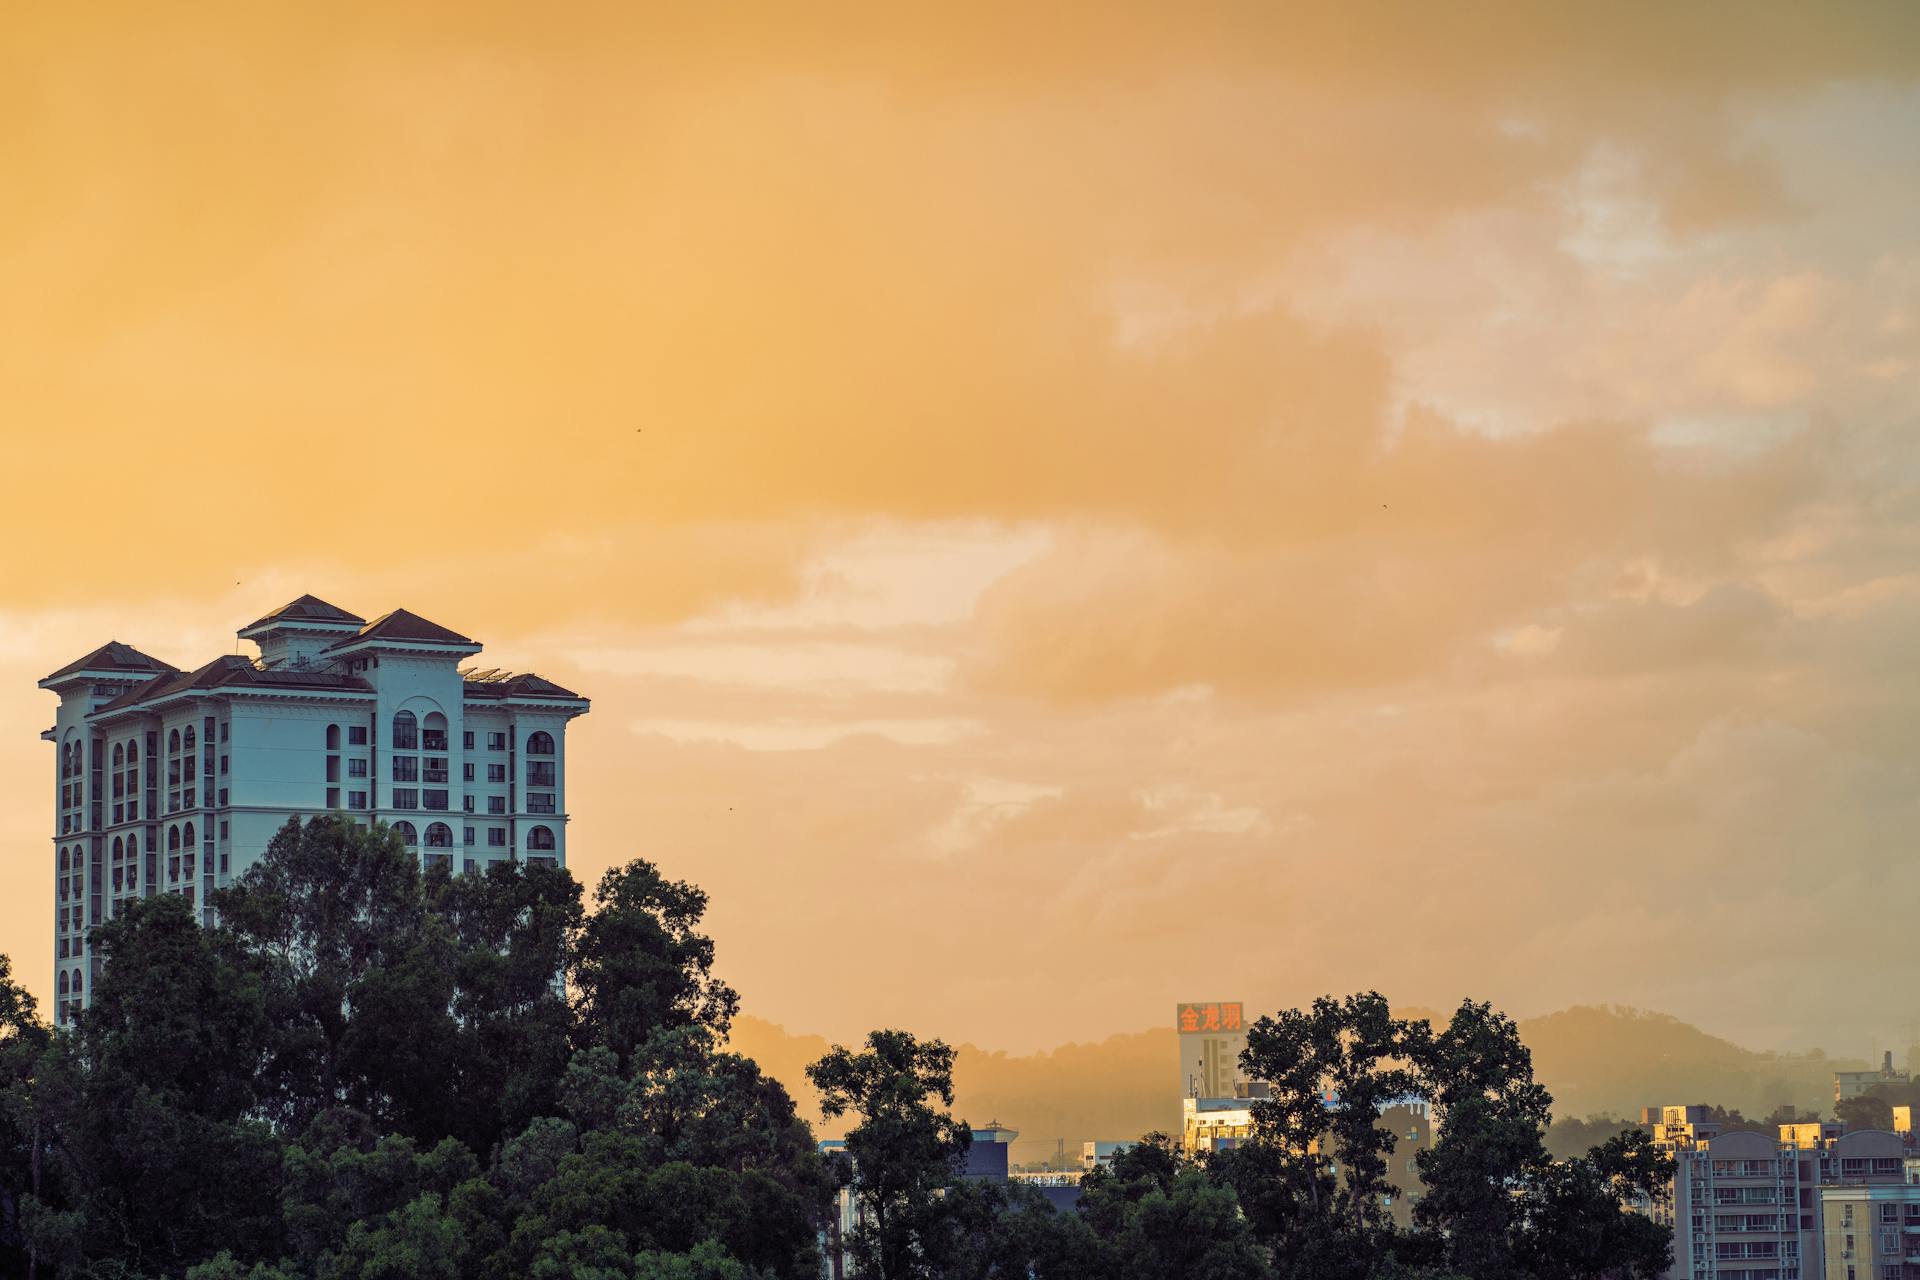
(1059,509)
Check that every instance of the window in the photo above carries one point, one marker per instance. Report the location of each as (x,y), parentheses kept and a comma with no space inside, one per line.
(496,742)
(540,838)
(356,768)
(433,739)
(223,766)
(496,773)
(173,839)
(434,798)
(540,744)
(223,730)
(119,756)
(333,797)
(467,865)
(436,768)
(406,833)
(223,828)
(540,773)
(133,751)
(406,768)
(333,737)
(406,732)
(186,836)
(496,837)
(466,740)
(540,802)
(173,742)
(406,798)
(356,799)
(357,735)
(439,836)
(466,772)
(444,860)
(548,860)
(467,836)
(496,804)
(466,803)
(188,739)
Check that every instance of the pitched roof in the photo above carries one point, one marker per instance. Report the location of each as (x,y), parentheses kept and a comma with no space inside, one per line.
(498,684)
(307,608)
(233,671)
(403,624)
(114,656)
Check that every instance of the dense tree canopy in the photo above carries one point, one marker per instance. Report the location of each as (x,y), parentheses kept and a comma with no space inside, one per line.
(364,1071)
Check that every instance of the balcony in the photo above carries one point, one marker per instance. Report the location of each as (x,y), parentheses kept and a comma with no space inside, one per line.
(433,739)
(541,774)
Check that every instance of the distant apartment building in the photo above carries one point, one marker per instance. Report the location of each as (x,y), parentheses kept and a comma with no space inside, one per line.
(173,782)
(1871,1232)
(1752,1206)
(1213,1034)
(1855,1084)
(1217,1124)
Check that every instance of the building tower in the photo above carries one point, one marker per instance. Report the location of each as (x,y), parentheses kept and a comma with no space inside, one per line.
(171,781)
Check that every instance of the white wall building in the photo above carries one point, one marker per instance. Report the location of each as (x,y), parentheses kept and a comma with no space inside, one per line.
(171,781)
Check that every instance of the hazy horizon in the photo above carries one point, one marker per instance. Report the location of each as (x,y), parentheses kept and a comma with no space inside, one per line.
(1056,517)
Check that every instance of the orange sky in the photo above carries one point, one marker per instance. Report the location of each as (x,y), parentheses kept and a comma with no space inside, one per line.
(1059,511)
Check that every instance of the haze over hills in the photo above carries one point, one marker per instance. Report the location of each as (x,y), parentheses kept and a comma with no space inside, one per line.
(1593,1059)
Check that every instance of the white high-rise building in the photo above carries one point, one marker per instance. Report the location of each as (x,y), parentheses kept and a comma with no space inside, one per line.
(172,781)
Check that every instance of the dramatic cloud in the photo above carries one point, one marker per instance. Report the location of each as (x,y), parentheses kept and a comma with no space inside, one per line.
(1238,500)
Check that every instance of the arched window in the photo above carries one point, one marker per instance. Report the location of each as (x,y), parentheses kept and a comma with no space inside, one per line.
(433,732)
(540,744)
(186,836)
(407,834)
(540,838)
(63,982)
(173,741)
(439,836)
(119,755)
(77,983)
(173,839)
(406,731)
(333,737)
(119,848)
(63,859)
(133,751)
(188,741)
(133,844)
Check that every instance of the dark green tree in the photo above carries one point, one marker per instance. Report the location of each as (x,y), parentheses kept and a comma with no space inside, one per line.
(1864,1111)
(638,966)
(148,1112)
(905,1152)
(1319,1177)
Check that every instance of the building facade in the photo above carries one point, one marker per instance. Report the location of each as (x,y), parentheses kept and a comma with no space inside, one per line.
(1752,1206)
(172,781)
(1871,1232)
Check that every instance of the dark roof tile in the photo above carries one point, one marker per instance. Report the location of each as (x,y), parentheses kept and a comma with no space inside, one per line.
(116,657)
(403,624)
(308,608)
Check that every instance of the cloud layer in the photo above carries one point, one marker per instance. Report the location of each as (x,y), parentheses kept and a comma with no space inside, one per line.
(1246,502)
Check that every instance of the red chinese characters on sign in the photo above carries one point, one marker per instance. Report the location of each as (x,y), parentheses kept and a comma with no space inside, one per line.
(1214,1015)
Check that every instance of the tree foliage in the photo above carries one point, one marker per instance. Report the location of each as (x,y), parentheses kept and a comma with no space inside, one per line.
(367,1072)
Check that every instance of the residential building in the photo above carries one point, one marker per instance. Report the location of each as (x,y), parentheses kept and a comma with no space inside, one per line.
(1853,1084)
(1871,1232)
(1099,1155)
(1749,1206)
(174,781)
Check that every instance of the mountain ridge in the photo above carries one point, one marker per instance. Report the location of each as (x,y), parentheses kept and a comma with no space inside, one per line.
(1593,1058)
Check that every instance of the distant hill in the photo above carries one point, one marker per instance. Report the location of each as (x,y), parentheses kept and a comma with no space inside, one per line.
(1593,1059)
